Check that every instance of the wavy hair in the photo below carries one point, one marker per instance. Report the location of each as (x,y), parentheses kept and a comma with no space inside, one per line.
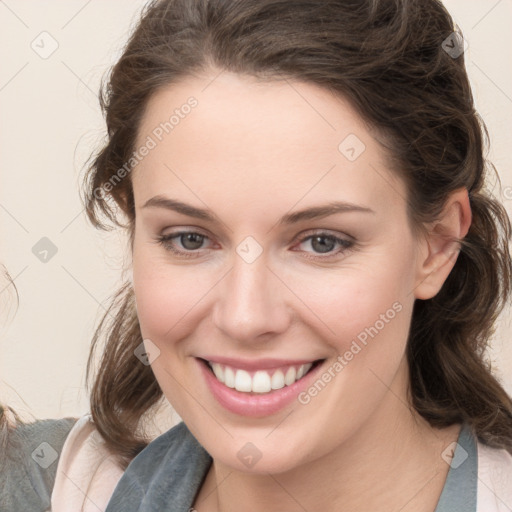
(390,59)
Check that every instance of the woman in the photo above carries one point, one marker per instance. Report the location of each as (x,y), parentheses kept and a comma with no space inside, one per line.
(317,266)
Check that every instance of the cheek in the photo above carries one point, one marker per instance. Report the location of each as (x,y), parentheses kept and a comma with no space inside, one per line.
(360,300)
(369,310)
(169,297)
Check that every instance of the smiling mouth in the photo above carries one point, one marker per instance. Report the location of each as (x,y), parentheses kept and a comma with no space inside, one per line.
(259,381)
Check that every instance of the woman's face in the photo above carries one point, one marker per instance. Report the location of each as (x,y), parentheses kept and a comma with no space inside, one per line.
(268,284)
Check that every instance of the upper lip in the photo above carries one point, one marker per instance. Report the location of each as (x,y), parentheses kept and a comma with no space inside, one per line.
(257,364)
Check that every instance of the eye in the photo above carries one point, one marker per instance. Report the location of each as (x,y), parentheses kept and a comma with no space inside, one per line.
(324,243)
(191,241)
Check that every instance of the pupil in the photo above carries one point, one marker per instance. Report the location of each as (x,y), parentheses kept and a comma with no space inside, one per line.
(189,237)
(322,246)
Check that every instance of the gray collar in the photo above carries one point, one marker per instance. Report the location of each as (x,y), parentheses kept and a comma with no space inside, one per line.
(459,491)
(167,475)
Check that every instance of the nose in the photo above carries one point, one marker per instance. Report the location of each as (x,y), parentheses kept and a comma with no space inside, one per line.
(251,306)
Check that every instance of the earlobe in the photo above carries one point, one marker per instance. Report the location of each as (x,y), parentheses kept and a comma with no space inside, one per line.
(441,245)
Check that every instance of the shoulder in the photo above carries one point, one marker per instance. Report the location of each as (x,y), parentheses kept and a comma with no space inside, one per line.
(87,472)
(494,479)
(29,463)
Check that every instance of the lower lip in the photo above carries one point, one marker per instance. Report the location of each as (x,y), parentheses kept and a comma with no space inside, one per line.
(255,405)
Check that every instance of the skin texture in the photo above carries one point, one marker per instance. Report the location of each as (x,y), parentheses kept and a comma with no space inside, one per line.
(252,152)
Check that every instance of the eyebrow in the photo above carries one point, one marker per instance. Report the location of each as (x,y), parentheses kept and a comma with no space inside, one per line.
(313,212)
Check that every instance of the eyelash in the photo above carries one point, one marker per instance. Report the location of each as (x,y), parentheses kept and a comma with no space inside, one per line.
(165,241)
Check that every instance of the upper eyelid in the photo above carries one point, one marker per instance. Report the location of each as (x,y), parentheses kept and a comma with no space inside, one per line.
(300,238)
(345,246)
(308,232)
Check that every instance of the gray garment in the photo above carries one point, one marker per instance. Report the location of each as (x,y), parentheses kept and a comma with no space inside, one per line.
(167,475)
(29,465)
(460,489)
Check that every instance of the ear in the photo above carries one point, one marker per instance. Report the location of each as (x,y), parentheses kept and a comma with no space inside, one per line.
(440,247)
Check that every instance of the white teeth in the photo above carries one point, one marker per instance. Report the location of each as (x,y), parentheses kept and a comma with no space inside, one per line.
(306,368)
(278,380)
(229,377)
(260,381)
(219,372)
(289,378)
(243,381)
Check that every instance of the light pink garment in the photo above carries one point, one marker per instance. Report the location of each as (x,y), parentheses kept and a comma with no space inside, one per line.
(87,474)
(494,480)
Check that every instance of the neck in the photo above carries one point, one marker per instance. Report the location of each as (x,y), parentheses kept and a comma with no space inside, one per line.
(393,462)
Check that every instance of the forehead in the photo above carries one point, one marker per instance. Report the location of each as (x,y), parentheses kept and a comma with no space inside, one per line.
(285,138)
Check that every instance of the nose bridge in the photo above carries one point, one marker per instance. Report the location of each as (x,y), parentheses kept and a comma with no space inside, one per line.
(251,301)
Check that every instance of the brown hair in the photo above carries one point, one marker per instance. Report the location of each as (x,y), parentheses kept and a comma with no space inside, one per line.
(388,59)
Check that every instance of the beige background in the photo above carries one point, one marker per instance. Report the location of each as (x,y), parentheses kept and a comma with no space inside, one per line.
(50,121)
